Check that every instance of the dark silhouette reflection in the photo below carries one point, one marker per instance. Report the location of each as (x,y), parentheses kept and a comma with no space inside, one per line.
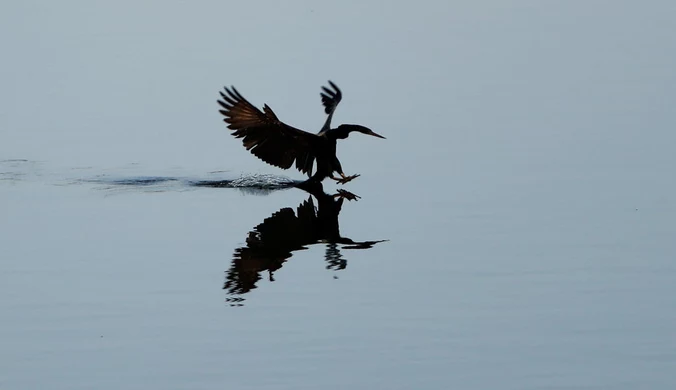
(272,242)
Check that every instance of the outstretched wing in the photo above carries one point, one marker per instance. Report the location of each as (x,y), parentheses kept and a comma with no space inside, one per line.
(330,100)
(265,136)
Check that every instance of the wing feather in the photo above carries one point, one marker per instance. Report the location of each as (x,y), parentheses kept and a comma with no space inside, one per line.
(330,99)
(264,135)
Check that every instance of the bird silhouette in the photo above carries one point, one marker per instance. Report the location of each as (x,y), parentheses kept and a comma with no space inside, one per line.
(279,144)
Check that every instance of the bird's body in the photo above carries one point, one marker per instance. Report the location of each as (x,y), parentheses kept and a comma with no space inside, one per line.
(325,167)
(281,145)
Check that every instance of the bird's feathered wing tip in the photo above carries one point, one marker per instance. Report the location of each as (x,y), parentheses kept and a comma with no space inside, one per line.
(331,97)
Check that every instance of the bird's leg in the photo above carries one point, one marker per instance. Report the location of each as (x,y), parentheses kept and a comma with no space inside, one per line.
(344,179)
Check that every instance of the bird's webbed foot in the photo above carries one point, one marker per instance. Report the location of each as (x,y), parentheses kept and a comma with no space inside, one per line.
(343,194)
(344,179)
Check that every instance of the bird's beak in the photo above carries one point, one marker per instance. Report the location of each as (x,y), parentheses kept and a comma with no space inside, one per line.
(375,135)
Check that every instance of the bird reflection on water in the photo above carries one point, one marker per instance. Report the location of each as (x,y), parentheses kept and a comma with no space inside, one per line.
(272,242)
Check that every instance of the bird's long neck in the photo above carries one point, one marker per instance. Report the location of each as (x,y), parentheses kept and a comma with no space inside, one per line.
(340,132)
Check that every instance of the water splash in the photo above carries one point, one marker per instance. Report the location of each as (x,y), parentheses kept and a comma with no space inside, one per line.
(113,180)
(262,181)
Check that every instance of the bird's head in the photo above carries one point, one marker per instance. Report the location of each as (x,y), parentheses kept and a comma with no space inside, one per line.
(344,131)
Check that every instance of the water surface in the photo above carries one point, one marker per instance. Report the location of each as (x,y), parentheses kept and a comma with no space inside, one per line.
(514,231)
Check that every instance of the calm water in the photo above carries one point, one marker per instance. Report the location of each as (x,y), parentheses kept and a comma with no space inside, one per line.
(514,231)
(121,281)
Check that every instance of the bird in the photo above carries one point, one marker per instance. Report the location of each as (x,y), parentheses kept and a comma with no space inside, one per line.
(279,144)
